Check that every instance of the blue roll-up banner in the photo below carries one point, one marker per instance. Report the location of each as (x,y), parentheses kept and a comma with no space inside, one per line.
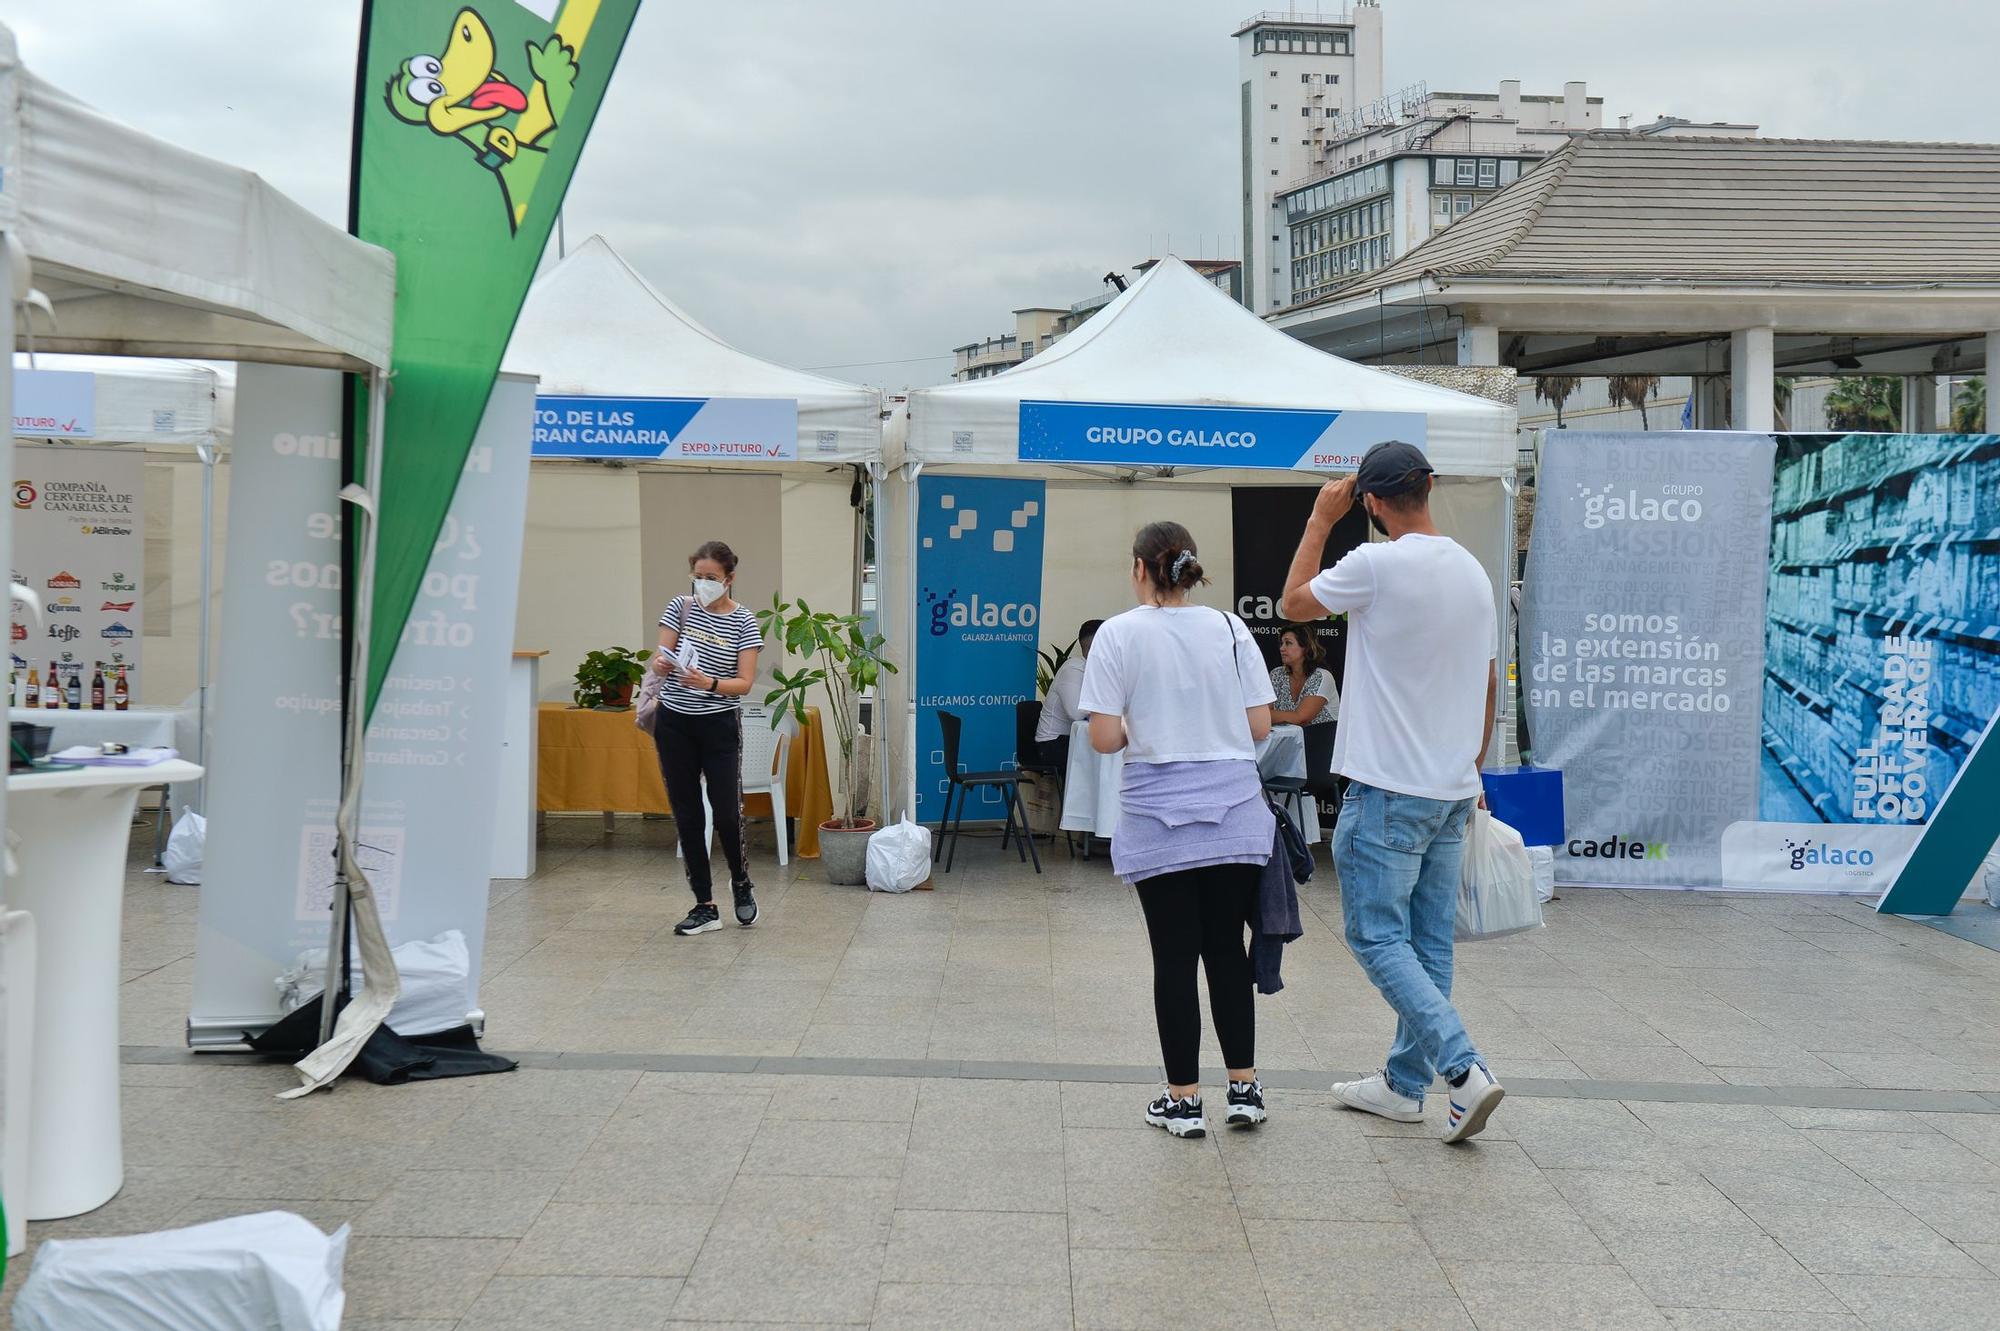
(979,594)
(1139,435)
(667,429)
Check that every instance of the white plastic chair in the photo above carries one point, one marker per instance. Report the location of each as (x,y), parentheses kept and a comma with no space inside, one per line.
(766,753)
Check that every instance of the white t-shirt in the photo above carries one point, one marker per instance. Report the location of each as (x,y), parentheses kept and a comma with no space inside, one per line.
(1060,710)
(1420,640)
(1182,677)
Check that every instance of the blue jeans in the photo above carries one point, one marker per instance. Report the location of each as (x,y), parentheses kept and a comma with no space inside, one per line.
(1398,857)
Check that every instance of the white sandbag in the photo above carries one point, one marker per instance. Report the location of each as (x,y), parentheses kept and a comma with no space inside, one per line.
(182,859)
(436,976)
(899,857)
(267,1272)
(1544,860)
(1496,893)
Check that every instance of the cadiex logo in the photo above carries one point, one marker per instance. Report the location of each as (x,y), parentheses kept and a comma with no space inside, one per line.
(1617,848)
(1800,854)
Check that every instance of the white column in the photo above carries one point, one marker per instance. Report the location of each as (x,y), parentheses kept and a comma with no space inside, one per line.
(1751,358)
(1479,344)
(1992,364)
(1920,403)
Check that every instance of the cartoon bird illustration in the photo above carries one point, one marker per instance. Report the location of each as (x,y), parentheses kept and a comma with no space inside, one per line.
(461,94)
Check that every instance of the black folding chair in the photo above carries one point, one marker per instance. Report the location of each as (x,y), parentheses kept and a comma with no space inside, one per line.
(962,784)
(1029,760)
(1319,782)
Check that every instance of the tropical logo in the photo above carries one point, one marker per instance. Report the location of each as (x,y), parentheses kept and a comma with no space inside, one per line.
(118,582)
(508,123)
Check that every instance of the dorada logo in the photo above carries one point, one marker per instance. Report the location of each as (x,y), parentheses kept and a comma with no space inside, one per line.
(65,581)
(64,605)
(65,632)
(20,633)
(24,494)
(1675,503)
(1802,853)
(115,631)
(948,612)
(118,582)
(118,607)
(1617,848)
(107,531)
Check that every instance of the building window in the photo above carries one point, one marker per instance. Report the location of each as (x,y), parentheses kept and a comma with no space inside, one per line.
(1489,172)
(1274,138)
(1441,171)
(1333,78)
(1305,111)
(1467,168)
(1461,204)
(1510,171)
(1303,78)
(1027,348)
(1274,106)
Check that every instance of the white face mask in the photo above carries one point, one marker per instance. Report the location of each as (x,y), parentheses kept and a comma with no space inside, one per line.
(708,591)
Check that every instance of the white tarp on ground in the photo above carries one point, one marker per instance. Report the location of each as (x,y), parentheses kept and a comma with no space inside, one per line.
(592,327)
(149,402)
(1175,339)
(147,249)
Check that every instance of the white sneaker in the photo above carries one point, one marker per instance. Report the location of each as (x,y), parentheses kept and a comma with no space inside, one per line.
(1371,1095)
(1473,1103)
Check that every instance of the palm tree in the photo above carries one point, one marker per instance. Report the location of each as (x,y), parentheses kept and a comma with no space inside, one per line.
(1872,403)
(1632,390)
(1555,389)
(1968,407)
(1781,402)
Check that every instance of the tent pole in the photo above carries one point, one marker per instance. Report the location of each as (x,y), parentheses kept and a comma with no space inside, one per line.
(883,625)
(206,452)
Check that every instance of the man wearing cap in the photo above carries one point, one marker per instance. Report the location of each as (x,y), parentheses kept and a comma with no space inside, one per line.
(1415,716)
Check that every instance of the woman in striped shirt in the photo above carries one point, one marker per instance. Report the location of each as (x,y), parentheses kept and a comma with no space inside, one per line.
(699,729)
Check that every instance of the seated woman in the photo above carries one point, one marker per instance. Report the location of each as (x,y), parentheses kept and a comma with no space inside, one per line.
(1307,697)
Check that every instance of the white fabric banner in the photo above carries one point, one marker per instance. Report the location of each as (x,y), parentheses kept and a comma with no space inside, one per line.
(79,545)
(433,749)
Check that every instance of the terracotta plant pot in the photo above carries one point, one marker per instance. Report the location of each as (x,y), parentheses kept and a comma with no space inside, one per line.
(843,852)
(615,700)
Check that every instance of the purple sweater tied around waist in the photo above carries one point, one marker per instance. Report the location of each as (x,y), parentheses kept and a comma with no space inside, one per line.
(1176,816)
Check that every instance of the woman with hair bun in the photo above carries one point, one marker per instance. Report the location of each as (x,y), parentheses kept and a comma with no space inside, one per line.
(1182,690)
(698,731)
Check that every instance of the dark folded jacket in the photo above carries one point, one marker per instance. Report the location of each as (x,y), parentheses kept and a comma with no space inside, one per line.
(1275,920)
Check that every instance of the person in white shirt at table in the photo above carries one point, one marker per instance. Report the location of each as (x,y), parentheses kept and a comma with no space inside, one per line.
(1061,709)
(1415,724)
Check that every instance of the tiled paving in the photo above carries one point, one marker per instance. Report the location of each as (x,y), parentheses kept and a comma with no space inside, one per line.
(921,1111)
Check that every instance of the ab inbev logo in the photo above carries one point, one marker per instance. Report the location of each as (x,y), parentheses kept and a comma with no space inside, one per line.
(1603,506)
(946,610)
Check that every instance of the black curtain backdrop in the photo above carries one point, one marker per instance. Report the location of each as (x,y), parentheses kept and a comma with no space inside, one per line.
(1267,522)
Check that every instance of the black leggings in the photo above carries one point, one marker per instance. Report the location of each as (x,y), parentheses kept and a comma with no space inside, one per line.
(692,748)
(1201,914)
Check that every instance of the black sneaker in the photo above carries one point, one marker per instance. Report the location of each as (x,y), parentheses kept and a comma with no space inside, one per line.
(700,920)
(1246,1104)
(1180,1117)
(746,904)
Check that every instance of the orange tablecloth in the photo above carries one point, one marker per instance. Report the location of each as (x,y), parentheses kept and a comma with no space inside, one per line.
(600,762)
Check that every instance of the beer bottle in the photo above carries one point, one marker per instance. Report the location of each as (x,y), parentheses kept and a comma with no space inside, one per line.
(97,689)
(74,684)
(34,698)
(121,693)
(52,692)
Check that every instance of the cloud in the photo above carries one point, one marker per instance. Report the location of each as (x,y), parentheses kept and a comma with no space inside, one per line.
(838,183)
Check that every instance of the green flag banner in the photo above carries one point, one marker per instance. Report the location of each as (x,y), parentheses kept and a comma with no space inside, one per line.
(468,123)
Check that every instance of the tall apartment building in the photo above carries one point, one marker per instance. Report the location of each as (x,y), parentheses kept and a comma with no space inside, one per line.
(1039,327)
(1299,74)
(1339,179)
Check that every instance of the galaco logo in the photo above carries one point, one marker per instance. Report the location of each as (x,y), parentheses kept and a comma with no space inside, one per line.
(1675,503)
(1802,853)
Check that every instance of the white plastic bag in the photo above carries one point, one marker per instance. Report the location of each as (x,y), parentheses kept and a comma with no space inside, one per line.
(182,860)
(1544,860)
(436,983)
(899,857)
(1496,891)
(262,1272)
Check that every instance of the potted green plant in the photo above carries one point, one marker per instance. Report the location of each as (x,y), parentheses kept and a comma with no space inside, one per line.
(843,660)
(1048,661)
(605,680)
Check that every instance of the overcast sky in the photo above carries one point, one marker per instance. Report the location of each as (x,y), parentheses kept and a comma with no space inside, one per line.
(855,182)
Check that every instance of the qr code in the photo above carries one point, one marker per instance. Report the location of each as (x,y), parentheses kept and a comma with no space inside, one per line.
(380,856)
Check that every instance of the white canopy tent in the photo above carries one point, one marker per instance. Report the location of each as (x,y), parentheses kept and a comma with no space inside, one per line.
(114,242)
(594,329)
(1175,348)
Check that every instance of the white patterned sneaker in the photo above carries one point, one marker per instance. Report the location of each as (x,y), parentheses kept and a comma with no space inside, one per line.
(1371,1095)
(1473,1103)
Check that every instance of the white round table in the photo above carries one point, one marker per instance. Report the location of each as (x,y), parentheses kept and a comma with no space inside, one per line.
(73,828)
(1092,784)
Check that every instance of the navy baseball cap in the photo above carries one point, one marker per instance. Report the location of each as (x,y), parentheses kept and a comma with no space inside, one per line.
(1390,467)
